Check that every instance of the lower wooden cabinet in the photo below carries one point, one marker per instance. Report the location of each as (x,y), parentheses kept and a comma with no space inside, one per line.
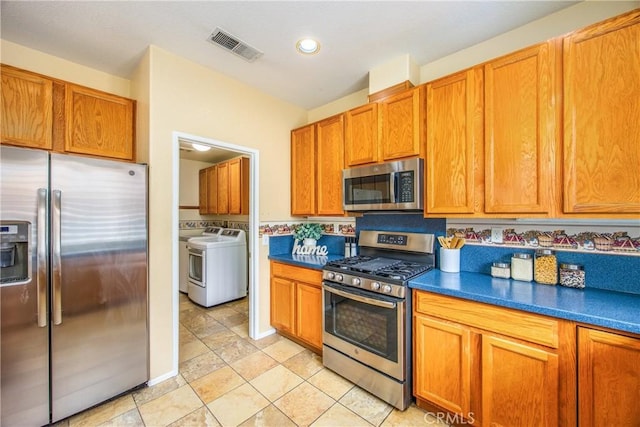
(296,303)
(491,365)
(608,379)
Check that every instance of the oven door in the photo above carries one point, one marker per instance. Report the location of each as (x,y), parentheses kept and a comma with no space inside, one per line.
(197,266)
(365,326)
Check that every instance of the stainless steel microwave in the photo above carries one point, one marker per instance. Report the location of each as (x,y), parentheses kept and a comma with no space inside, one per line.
(384,186)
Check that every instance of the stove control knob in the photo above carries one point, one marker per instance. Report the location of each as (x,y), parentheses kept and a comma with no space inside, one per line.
(386,289)
(331,275)
(355,281)
(375,286)
(339,277)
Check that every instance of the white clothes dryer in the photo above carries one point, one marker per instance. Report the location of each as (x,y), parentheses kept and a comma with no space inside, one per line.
(183,265)
(218,268)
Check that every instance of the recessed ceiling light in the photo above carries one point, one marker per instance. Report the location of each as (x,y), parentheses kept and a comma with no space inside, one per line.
(308,46)
(200,147)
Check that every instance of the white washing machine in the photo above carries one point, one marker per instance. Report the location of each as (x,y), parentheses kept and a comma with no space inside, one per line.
(183,265)
(217,267)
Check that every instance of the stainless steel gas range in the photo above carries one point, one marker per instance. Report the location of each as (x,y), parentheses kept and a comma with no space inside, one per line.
(367,312)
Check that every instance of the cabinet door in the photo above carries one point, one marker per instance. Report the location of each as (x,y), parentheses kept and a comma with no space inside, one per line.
(309,313)
(442,361)
(520,129)
(401,125)
(212,189)
(519,384)
(27,109)
(602,117)
(361,141)
(202,192)
(223,187)
(330,143)
(282,304)
(454,155)
(239,186)
(303,172)
(98,123)
(608,379)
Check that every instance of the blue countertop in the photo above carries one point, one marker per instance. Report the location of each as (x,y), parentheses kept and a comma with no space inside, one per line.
(615,310)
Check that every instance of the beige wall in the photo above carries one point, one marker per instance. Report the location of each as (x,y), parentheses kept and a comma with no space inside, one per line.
(187,97)
(557,24)
(52,66)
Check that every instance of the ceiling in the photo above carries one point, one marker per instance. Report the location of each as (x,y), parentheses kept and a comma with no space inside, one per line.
(355,36)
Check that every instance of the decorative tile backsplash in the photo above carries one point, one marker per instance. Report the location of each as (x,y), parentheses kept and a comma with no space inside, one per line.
(616,242)
(328,228)
(191,224)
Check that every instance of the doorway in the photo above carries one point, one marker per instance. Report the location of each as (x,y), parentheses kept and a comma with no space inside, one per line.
(252,244)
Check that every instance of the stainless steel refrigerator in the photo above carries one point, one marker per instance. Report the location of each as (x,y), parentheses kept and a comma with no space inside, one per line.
(73,283)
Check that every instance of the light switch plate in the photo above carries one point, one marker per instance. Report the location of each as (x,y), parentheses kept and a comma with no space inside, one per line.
(496,235)
(265,240)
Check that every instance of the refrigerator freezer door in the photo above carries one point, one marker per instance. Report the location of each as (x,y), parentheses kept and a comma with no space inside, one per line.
(99,333)
(24,359)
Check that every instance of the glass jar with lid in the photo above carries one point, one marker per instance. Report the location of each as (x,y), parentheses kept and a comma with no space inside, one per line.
(546,267)
(572,275)
(501,269)
(522,266)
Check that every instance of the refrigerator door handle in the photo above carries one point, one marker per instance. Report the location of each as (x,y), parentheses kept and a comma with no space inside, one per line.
(41,258)
(56,260)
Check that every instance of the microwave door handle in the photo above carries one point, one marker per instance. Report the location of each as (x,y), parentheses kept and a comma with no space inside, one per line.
(394,187)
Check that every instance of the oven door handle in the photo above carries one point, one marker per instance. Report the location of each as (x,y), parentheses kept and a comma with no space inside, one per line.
(359,298)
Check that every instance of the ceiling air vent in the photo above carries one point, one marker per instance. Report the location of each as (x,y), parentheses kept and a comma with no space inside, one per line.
(234,45)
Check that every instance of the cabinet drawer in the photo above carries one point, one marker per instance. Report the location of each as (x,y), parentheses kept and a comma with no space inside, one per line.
(299,274)
(517,324)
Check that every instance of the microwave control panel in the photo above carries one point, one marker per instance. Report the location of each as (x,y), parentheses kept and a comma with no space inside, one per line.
(406,187)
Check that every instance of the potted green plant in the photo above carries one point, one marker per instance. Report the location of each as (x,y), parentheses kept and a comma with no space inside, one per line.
(308,233)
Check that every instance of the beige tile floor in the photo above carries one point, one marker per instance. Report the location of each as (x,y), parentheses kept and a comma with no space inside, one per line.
(228,379)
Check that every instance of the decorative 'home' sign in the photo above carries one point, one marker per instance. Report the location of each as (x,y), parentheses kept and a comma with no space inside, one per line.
(309,250)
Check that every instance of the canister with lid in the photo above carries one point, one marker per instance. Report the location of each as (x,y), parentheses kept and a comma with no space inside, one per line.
(522,267)
(572,275)
(545,267)
(501,269)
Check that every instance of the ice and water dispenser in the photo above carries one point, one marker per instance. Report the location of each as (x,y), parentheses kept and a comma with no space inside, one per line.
(14,252)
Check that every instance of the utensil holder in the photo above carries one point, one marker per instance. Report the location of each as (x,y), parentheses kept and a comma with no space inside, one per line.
(450,260)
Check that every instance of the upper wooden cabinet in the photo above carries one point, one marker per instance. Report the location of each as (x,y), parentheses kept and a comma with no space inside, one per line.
(520,132)
(608,379)
(454,145)
(224,188)
(239,186)
(98,123)
(602,117)
(317,160)
(362,135)
(27,109)
(45,113)
(401,125)
(303,166)
(330,162)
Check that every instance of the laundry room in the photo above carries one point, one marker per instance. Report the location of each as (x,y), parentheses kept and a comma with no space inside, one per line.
(213,228)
